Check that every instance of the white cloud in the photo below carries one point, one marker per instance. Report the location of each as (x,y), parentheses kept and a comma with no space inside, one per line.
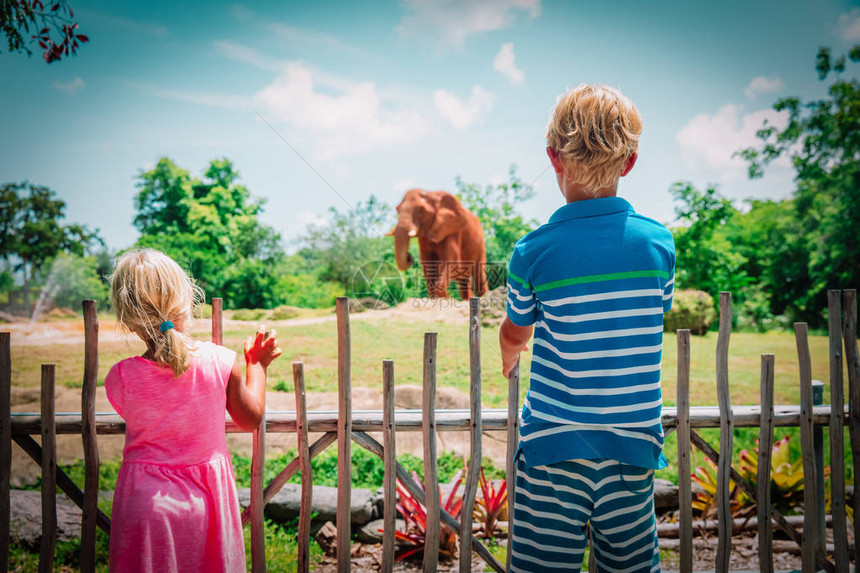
(462,113)
(453,21)
(355,119)
(848,26)
(505,64)
(250,56)
(199,97)
(710,141)
(71,87)
(763,85)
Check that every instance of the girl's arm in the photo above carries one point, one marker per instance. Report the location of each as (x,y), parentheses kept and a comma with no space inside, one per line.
(246,401)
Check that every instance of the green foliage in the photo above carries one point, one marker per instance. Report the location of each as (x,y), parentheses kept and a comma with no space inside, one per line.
(76,278)
(32,232)
(249,314)
(822,138)
(281,548)
(351,238)
(496,206)
(210,225)
(299,286)
(704,259)
(283,312)
(786,475)
(692,309)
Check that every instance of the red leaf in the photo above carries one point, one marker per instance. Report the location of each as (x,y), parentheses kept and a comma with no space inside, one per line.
(39,3)
(43,45)
(71,14)
(83,38)
(43,31)
(55,7)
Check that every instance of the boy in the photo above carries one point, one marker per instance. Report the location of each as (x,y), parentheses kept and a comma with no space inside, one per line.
(595,281)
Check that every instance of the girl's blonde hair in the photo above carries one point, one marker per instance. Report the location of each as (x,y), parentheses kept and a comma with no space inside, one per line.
(149,290)
(595,129)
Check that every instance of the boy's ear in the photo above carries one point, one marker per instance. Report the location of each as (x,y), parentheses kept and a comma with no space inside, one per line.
(555,159)
(630,163)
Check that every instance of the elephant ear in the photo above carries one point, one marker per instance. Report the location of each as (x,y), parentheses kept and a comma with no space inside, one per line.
(450,218)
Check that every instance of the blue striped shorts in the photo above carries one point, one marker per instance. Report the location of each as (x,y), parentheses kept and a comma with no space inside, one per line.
(553,505)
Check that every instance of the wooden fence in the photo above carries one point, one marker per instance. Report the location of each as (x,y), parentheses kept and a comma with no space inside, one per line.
(347,426)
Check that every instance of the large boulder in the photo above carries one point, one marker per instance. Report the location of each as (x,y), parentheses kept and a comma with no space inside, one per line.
(285,506)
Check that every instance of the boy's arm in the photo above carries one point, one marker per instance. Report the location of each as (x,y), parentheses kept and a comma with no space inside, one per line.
(513,340)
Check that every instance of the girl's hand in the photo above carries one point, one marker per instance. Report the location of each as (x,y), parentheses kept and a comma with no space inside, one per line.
(262,348)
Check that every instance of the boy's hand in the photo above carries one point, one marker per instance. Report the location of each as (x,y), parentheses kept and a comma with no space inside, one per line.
(262,348)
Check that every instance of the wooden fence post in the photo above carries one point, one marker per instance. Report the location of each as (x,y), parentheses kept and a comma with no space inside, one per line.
(473,473)
(49,472)
(431,478)
(810,478)
(685,491)
(724,514)
(765,449)
(305,465)
(344,436)
(513,436)
(217,332)
(89,511)
(5,446)
(849,336)
(837,445)
(389,463)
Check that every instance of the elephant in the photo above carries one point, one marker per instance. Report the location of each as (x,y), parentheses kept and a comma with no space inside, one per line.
(450,242)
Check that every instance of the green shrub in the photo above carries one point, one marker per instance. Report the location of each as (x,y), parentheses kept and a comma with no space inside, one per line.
(203,310)
(284,312)
(693,309)
(248,314)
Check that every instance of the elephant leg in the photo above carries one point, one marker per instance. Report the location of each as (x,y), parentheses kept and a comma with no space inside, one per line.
(435,277)
(479,278)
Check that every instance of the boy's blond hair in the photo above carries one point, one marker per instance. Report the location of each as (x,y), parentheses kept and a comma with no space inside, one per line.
(595,130)
(148,290)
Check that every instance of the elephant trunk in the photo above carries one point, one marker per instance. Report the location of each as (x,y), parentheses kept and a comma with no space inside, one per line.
(404,231)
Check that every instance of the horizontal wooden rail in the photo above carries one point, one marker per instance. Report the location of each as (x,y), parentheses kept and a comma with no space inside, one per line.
(492,419)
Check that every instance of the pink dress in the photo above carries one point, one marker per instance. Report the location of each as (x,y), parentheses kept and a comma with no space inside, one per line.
(175,507)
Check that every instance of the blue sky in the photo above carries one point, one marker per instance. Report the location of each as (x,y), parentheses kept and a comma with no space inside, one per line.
(379,97)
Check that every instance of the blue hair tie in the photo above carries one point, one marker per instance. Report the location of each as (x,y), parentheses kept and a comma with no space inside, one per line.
(165,326)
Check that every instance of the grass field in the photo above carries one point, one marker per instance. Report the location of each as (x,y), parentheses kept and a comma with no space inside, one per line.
(402,340)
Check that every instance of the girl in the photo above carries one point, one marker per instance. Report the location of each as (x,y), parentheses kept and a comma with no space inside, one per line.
(175,507)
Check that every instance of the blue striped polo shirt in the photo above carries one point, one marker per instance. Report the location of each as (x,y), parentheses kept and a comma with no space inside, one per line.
(595,282)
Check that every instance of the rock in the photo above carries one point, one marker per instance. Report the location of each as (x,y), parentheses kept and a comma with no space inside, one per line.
(327,539)
(370,533)
(286,504)
(25,527)
(665,495)
(493,306)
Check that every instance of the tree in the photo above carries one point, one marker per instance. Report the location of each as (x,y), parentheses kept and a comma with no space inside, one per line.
(704,259)
(52,28)
(33,233)
(211,225)
(496,206)
(822,138)
(350,239)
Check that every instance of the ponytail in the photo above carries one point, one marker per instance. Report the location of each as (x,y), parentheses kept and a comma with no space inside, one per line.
(171,348)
